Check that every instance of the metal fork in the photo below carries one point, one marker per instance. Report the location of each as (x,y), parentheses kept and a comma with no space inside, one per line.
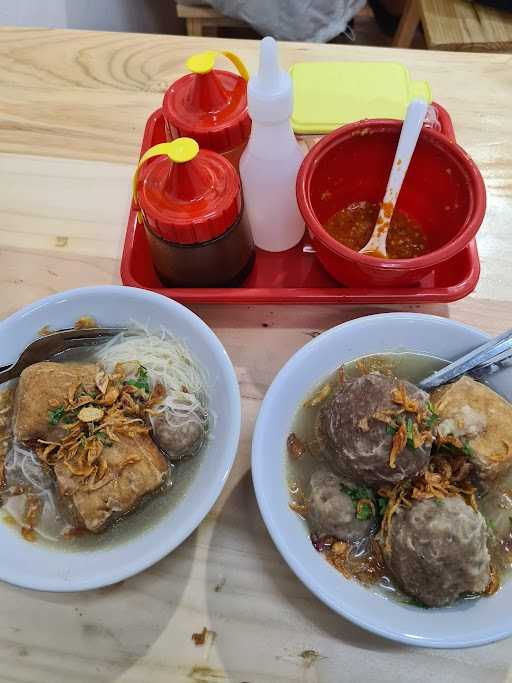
(48,347)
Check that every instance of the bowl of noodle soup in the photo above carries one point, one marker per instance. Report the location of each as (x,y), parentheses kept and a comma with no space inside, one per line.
(412,343)
(167,383)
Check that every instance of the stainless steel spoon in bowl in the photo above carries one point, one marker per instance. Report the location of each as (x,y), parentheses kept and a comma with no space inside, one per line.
(490,354)
(46,348)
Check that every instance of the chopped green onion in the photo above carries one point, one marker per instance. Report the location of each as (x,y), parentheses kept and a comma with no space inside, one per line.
(141,381)
(364,512)
(410,433)
(391,429)
(466,449)
(358,493)
(432,416)
(55,415)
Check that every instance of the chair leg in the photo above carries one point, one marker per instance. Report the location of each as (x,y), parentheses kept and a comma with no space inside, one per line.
(409,22)
(194,27)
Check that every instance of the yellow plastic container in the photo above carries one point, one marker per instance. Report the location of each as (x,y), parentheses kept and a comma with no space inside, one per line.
(327,95)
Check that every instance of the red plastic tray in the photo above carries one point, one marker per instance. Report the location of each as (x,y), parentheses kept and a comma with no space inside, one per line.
(295,276)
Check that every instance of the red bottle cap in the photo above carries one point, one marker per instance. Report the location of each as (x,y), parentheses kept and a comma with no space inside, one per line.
(187,195)
(209,105)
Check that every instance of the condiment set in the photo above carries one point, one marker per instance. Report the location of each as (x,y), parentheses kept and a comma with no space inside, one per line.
(231,182)
(190,198)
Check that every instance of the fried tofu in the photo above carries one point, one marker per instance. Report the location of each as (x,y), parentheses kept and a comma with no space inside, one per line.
(136,468)
(43,387)
(482,420)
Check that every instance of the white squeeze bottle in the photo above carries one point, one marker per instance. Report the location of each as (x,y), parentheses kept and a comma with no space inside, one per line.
(271,160)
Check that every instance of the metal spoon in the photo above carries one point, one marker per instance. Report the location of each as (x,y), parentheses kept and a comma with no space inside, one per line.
(49,346)
(492,352)
(411,129)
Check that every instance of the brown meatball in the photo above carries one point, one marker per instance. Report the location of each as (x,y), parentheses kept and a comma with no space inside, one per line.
(358,446)
(438,551)
(178,438)
(331,511)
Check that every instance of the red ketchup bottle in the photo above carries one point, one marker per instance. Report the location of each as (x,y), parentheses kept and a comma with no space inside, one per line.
(190,202)
(210,105)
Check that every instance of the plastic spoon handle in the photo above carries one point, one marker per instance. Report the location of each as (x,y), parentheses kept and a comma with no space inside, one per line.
(409,135)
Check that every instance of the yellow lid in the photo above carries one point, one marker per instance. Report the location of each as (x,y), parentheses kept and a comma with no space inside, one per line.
(203,62)
(182,150)
(327,95)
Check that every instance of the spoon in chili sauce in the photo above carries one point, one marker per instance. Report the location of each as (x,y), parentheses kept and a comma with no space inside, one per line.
(411,129)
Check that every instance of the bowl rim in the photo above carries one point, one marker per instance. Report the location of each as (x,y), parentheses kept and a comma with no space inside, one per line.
(170,542)
(288,550)
(446,251)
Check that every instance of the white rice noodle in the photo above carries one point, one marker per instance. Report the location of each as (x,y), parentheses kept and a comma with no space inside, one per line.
(23,469)
(169,362)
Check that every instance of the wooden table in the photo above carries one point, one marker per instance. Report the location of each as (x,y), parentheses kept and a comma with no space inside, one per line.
(72,110)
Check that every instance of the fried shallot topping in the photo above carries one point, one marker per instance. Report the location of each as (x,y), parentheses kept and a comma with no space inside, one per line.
(374,364)
(94,419)
(319,397)
(85,322)
(445,477)
(494,582)
(409,423)
(31,515)
(400,397)
(398,444)
(367,567)
(295,446)
(200,638)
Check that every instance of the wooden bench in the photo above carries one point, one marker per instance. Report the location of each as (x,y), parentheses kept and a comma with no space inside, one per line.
(199,17)
(456,25)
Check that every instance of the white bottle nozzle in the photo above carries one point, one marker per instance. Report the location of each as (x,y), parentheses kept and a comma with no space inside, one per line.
(269,71)
(271,160)
(269,92)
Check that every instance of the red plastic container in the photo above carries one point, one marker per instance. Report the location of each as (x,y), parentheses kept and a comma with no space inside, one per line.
(443,191)
(211,107)
(295,276)
(190,201)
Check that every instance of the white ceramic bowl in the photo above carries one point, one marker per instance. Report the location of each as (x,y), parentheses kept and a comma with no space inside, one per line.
(466,624)
(39,566)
